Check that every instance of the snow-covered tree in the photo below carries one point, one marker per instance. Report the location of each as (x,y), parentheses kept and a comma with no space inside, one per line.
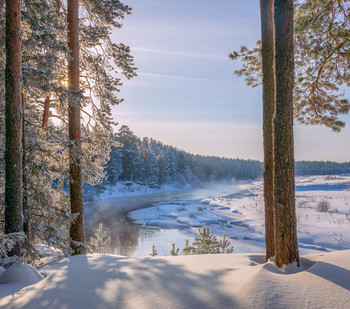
(101,241)
(131,157)
(44,58)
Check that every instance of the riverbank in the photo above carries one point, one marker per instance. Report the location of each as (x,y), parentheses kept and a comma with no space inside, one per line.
(131,239)
(240,280)
(128,189)
(322,206)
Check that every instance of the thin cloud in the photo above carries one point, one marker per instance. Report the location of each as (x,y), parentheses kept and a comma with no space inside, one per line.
(178,77)
(180,54)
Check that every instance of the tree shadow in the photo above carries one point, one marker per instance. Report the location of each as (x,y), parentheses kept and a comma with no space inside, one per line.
(333,273)
(117,281)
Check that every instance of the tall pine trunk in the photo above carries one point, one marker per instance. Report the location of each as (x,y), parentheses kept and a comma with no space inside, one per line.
(13,122)
(284,191)
(75,168)
(268,58)
(46,112)
(25,174)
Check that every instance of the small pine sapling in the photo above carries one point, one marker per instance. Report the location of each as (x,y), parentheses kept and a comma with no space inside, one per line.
(188,250)
(173,251)
(205,243)
(223,244)
(100,242)
(154,251)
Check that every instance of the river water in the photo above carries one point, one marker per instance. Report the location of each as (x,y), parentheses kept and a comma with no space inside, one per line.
(135,240)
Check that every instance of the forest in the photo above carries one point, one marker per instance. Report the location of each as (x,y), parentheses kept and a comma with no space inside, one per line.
(153,164)
(62,69)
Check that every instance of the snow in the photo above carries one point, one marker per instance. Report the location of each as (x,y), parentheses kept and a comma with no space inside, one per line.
(203,281)
(239,280)
(16,277)
(241,216)
(20,273)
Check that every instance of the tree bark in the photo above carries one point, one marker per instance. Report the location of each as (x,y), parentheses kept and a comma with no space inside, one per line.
(268,58)
(24,175)
(13,122)
(284,191)
(46,112)
(75,168)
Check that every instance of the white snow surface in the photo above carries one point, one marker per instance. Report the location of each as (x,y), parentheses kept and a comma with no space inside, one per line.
(16,277)
(19,273)
(241,280)
(241,216)
(203,281)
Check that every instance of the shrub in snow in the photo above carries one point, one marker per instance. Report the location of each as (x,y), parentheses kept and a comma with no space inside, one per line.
(80,248)
(302,204)
(7,243)
(101,241)
(323,206)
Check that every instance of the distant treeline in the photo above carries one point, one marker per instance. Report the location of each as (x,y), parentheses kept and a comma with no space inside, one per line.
(152,163)
(303,168)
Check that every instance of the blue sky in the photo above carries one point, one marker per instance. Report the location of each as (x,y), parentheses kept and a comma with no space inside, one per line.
(186,94)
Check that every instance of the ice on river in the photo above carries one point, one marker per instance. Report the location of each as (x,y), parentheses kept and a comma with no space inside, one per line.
(322,205)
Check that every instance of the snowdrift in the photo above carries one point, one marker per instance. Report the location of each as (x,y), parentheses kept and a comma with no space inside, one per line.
(204,281)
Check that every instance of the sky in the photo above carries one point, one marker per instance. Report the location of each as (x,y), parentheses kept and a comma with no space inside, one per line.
(186,94)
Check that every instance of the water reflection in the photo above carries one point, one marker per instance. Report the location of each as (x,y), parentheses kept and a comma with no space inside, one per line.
(123,232)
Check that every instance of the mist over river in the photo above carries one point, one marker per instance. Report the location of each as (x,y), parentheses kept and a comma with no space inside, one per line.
(136,240)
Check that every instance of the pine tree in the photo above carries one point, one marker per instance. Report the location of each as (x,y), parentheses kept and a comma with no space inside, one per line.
(161,169)
(75,162)
(286,244)
(148,155)
(75,168)
(267,55)
(101,241)
(131,157)
(322,46)
(13,119)
(114,165)
(322,36)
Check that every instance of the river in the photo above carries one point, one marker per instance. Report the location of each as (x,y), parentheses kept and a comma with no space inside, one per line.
(135,240)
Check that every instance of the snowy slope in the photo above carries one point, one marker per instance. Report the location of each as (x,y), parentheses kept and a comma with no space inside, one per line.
(206,281)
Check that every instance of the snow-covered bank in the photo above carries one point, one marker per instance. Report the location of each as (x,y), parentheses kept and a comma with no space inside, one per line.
(323,214)
(204,281)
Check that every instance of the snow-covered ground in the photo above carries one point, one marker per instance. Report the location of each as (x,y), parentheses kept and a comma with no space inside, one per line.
(323,215)
(203,281)
(241,280)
